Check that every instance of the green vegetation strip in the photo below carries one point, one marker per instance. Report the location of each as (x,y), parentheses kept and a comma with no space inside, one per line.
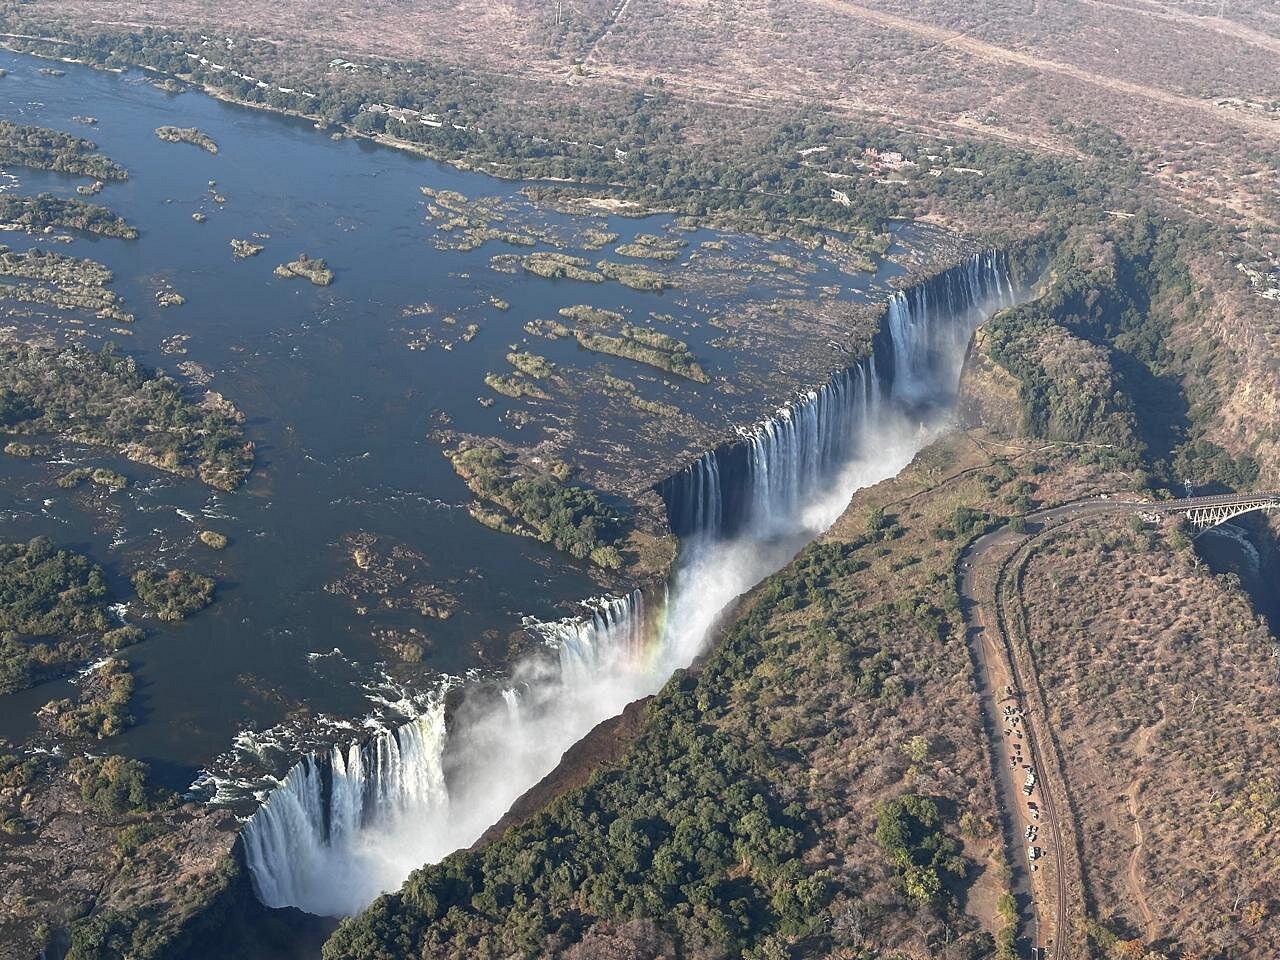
(44,149)
(646,346)
(53,611)
(109,400)
(59,281)
(173,594)
(570,517)
(46,210)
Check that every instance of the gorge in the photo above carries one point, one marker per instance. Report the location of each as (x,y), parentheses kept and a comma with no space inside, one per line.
(349,824)
(721,496)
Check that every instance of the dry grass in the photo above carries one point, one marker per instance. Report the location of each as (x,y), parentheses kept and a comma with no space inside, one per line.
(1198,97)
(1162,684)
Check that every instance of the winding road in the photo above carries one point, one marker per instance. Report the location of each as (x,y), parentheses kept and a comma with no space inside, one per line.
(1015,716)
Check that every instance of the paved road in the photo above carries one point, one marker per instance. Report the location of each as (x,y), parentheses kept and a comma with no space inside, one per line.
(976,585)
(1043,908)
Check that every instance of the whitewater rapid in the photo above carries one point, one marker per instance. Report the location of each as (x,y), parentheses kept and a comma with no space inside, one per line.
(344,827)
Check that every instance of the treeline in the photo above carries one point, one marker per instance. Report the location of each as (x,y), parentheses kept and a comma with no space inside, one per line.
(101,708)
(53,616)
(46,210)
(44,149)
(650,145)
(651,347)
(173,594)
(67,283)
(53,611)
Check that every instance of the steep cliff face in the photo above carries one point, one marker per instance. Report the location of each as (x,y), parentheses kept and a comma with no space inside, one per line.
(755,808)
(604,746)
(1238,383)
(1133,346)
(352,822)
(988,397)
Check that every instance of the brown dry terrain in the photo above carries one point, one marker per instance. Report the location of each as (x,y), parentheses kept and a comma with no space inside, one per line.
(1162,690)
(1159,678)
(65,854)
(1196,96)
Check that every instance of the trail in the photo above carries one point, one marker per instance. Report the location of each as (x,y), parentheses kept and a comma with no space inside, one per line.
(1160,11)
(1136,885)
(610,23)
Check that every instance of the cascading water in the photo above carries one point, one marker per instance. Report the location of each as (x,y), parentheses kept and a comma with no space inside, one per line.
(927,322)
(783,470)
(342,828)
(323,806)
(607,639)
(762,483)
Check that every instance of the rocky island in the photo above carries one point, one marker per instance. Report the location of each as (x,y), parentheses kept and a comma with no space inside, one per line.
(307,268)
(244,249)
(191,135)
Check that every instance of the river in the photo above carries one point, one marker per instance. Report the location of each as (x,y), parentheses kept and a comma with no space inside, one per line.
(339,406)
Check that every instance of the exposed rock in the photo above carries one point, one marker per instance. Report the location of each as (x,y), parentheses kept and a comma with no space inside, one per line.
(988,395)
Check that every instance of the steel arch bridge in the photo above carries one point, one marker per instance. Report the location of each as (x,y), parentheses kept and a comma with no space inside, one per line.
(1206,512)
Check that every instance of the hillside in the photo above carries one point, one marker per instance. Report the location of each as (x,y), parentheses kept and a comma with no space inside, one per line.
(1161,686)
(819,785)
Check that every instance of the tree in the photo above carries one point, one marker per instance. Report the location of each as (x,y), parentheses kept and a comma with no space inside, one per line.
(916,749)
(921,883)
(875,520)
(1129,950)
(1254,913)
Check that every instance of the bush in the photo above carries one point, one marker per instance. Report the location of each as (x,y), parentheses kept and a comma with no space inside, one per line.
(122,637)
(213,540)
(102,709)
(174,594)
(909,830)
(46,593)
(113,784)
(572,518)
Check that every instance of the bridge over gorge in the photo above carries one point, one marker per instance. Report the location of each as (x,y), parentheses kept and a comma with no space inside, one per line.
(1206,512)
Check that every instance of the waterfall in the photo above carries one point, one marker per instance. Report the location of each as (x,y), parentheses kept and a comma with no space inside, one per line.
(343,827)
(349,823)
(931,322)
(766,483)
(606,638)
(326,803)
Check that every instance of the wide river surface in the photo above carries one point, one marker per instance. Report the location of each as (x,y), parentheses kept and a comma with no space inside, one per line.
(339,403)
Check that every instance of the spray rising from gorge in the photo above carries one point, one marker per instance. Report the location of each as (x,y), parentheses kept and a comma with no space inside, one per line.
(344,827)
